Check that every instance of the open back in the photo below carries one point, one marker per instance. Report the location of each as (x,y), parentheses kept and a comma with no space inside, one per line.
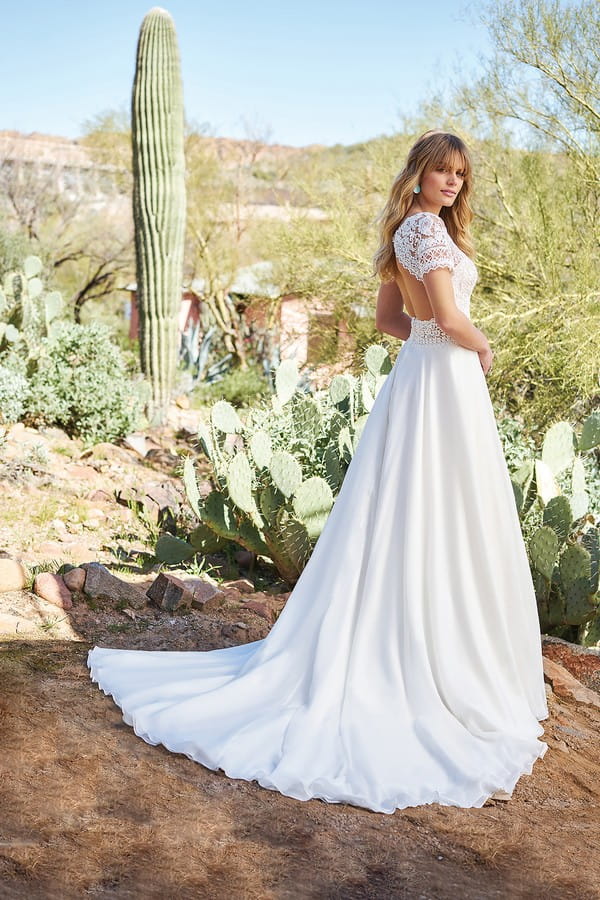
(422,243)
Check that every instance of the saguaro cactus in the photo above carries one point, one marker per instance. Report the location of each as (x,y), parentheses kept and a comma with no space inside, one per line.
(158,200)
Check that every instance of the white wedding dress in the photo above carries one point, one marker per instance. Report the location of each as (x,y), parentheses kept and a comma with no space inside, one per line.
(405,667)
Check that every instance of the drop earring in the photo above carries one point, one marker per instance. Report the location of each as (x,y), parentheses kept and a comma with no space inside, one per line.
(417,189)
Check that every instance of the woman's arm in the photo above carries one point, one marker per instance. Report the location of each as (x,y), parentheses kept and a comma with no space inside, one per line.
(389,315)
(438,284)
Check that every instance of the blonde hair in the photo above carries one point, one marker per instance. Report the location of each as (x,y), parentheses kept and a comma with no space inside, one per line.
(433,149)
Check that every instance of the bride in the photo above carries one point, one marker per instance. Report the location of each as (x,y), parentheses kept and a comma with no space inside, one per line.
(405,667)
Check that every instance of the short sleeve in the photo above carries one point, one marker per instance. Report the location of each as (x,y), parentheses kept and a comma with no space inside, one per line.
(421,244)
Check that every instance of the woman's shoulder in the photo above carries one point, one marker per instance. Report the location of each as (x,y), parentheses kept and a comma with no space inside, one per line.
(423,222)
(421,243)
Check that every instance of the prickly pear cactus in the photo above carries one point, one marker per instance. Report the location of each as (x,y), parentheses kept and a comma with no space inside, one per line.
(277,474)
(28,312)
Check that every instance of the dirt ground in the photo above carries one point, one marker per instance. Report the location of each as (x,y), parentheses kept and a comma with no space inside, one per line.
(89,809)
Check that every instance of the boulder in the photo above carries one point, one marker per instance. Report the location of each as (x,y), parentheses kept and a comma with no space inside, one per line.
(75,579)
(12,575)
(566,685)
(100,584)
(53,589)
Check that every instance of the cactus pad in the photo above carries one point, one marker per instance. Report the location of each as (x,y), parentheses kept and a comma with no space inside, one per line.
(225,418)
(172,550)
(377,359)
(558,516)
(558,449)
(239,483)
(312,504)
(286,472)
(575,563)
(261,449)
(286,380)
(591,542)
(590,433)
(543,548)
(339,389)
(545,482)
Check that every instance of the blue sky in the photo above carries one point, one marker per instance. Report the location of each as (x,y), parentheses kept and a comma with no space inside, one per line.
(299,73)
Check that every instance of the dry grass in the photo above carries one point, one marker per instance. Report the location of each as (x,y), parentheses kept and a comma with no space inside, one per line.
(91,810)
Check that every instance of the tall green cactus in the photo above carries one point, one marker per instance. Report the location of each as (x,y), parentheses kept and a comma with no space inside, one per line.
(159,202)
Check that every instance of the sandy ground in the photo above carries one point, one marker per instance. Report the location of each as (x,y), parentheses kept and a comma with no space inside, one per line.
(89,809)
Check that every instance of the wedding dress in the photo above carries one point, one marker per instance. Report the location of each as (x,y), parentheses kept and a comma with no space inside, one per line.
(405,667)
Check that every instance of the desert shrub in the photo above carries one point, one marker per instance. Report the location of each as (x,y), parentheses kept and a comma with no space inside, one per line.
(240,387)
(81,383)
(14,393)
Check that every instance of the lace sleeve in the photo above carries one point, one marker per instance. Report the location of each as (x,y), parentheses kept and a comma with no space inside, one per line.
(421,244)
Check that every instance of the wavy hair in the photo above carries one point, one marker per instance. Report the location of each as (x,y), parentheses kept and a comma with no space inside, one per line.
(431,150)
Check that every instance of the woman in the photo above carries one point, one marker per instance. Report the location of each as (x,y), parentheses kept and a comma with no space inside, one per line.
(405,667)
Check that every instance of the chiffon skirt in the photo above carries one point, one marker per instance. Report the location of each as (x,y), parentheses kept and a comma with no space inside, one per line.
(405,667)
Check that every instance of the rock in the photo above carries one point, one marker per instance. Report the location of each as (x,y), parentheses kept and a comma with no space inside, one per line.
(244,558)
(100,584)
(10,624)
(158,500)
(53,589)
(208,598)
(108,451)
(183,401)
(241,584)
(91,524)
(170,593)
(75,579)
(81,473)
(50,548)
(234,631)
(58,525)
(267,608)
(162,458)
(566,686)
(12,575)
(138,442)
(100,496)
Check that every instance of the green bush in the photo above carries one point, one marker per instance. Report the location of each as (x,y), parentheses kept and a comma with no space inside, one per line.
(14,393)
(81,383)
(240,387)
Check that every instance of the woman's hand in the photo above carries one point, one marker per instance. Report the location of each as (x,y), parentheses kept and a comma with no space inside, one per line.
(485,358)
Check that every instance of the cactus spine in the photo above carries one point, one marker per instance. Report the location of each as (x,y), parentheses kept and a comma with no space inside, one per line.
(159,202)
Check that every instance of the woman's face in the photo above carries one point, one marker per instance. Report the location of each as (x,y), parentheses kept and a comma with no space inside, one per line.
(440,186)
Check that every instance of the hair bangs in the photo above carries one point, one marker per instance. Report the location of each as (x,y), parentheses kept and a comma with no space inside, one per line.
(450,153)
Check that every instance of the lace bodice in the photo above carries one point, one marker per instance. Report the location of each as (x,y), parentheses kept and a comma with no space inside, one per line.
(422,243)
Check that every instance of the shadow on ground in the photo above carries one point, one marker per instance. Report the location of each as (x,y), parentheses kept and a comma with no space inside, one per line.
(90,810)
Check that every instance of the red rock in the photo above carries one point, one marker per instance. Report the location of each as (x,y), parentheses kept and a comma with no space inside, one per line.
(566,686)
(241,584)
(268,609)
(52,589)
(75,579)
(170,593)
(12,575)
